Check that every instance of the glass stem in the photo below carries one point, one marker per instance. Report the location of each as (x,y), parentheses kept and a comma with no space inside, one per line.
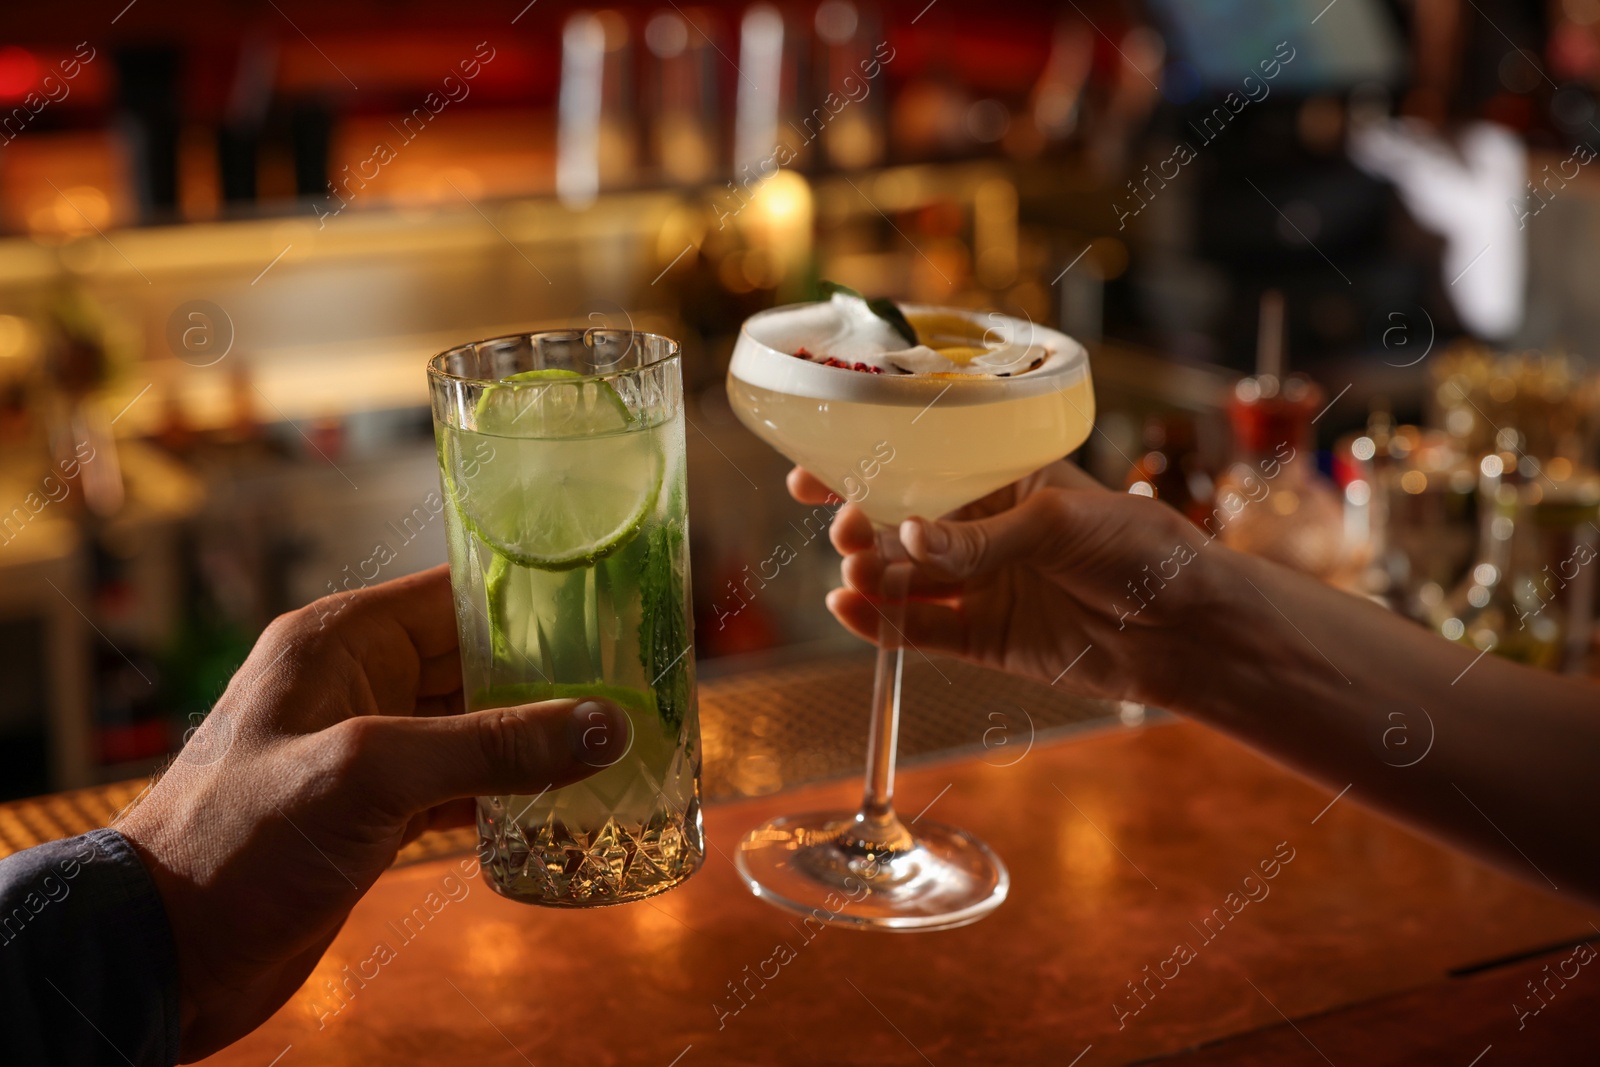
(878,821)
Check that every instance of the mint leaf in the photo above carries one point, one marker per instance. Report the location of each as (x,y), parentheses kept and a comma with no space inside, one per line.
(882,307)
(663,632)
(886,310)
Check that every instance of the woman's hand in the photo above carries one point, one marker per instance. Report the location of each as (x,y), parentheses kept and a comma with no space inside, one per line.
(1032,577)
(340,739)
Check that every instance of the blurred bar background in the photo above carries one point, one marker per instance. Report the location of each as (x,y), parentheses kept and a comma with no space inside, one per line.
(230,235)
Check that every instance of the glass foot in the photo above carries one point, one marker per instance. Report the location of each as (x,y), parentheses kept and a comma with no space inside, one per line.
(825,866)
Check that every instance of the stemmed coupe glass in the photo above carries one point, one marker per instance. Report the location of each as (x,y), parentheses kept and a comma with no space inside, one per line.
(899,445)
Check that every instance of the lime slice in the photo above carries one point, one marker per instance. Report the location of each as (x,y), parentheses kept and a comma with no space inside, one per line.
(569,407)
(555,477)
(542,619)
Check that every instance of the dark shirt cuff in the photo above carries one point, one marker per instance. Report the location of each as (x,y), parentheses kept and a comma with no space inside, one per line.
(88,973)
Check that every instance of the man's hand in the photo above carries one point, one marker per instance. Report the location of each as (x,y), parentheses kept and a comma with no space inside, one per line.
(1029,577)
(341,739)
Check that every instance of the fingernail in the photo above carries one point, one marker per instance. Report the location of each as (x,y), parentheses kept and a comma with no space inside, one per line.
(934,538)
(599,733)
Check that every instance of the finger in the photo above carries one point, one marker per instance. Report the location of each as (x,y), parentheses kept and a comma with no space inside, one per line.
(451,815)
(863,572)
(1037,530)
(440,675)
(423,606)
(808,488)
(926,627)
(418,605)
(413,764)
(851,531)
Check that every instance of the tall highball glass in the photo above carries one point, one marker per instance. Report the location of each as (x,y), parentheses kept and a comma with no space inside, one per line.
(562,459)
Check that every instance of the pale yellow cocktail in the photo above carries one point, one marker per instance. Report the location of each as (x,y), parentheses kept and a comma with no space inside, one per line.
(901,411)
(931,442)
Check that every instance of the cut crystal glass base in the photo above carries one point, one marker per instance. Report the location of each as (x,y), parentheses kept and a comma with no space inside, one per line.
(622,861)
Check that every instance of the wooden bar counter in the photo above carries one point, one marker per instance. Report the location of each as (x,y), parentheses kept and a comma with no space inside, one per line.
(1131,934)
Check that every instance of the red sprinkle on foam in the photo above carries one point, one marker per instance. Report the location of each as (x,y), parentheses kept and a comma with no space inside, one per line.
(829,361)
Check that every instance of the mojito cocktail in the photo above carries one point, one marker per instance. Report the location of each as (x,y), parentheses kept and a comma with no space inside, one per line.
(562,460)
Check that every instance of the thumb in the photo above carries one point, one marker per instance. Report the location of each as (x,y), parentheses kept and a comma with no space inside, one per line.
(418,763)
(955,550)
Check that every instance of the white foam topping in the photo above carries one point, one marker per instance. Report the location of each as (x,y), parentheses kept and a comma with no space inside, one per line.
(846,329)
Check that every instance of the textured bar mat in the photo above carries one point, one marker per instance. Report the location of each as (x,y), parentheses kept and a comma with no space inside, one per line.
(778,728)
(762,731)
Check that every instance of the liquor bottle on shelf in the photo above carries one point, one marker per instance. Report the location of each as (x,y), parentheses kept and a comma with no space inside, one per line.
(770,111)
(1363,470)
(1431,501)
(680,91)
(595,119)
(1498,606)
(1566,532)
(1409,496)
(851,51)
(1271,500)
(1172,468)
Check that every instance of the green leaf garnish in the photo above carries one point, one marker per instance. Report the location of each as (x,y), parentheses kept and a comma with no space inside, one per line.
(663,637)
(886,310)
(882,307)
